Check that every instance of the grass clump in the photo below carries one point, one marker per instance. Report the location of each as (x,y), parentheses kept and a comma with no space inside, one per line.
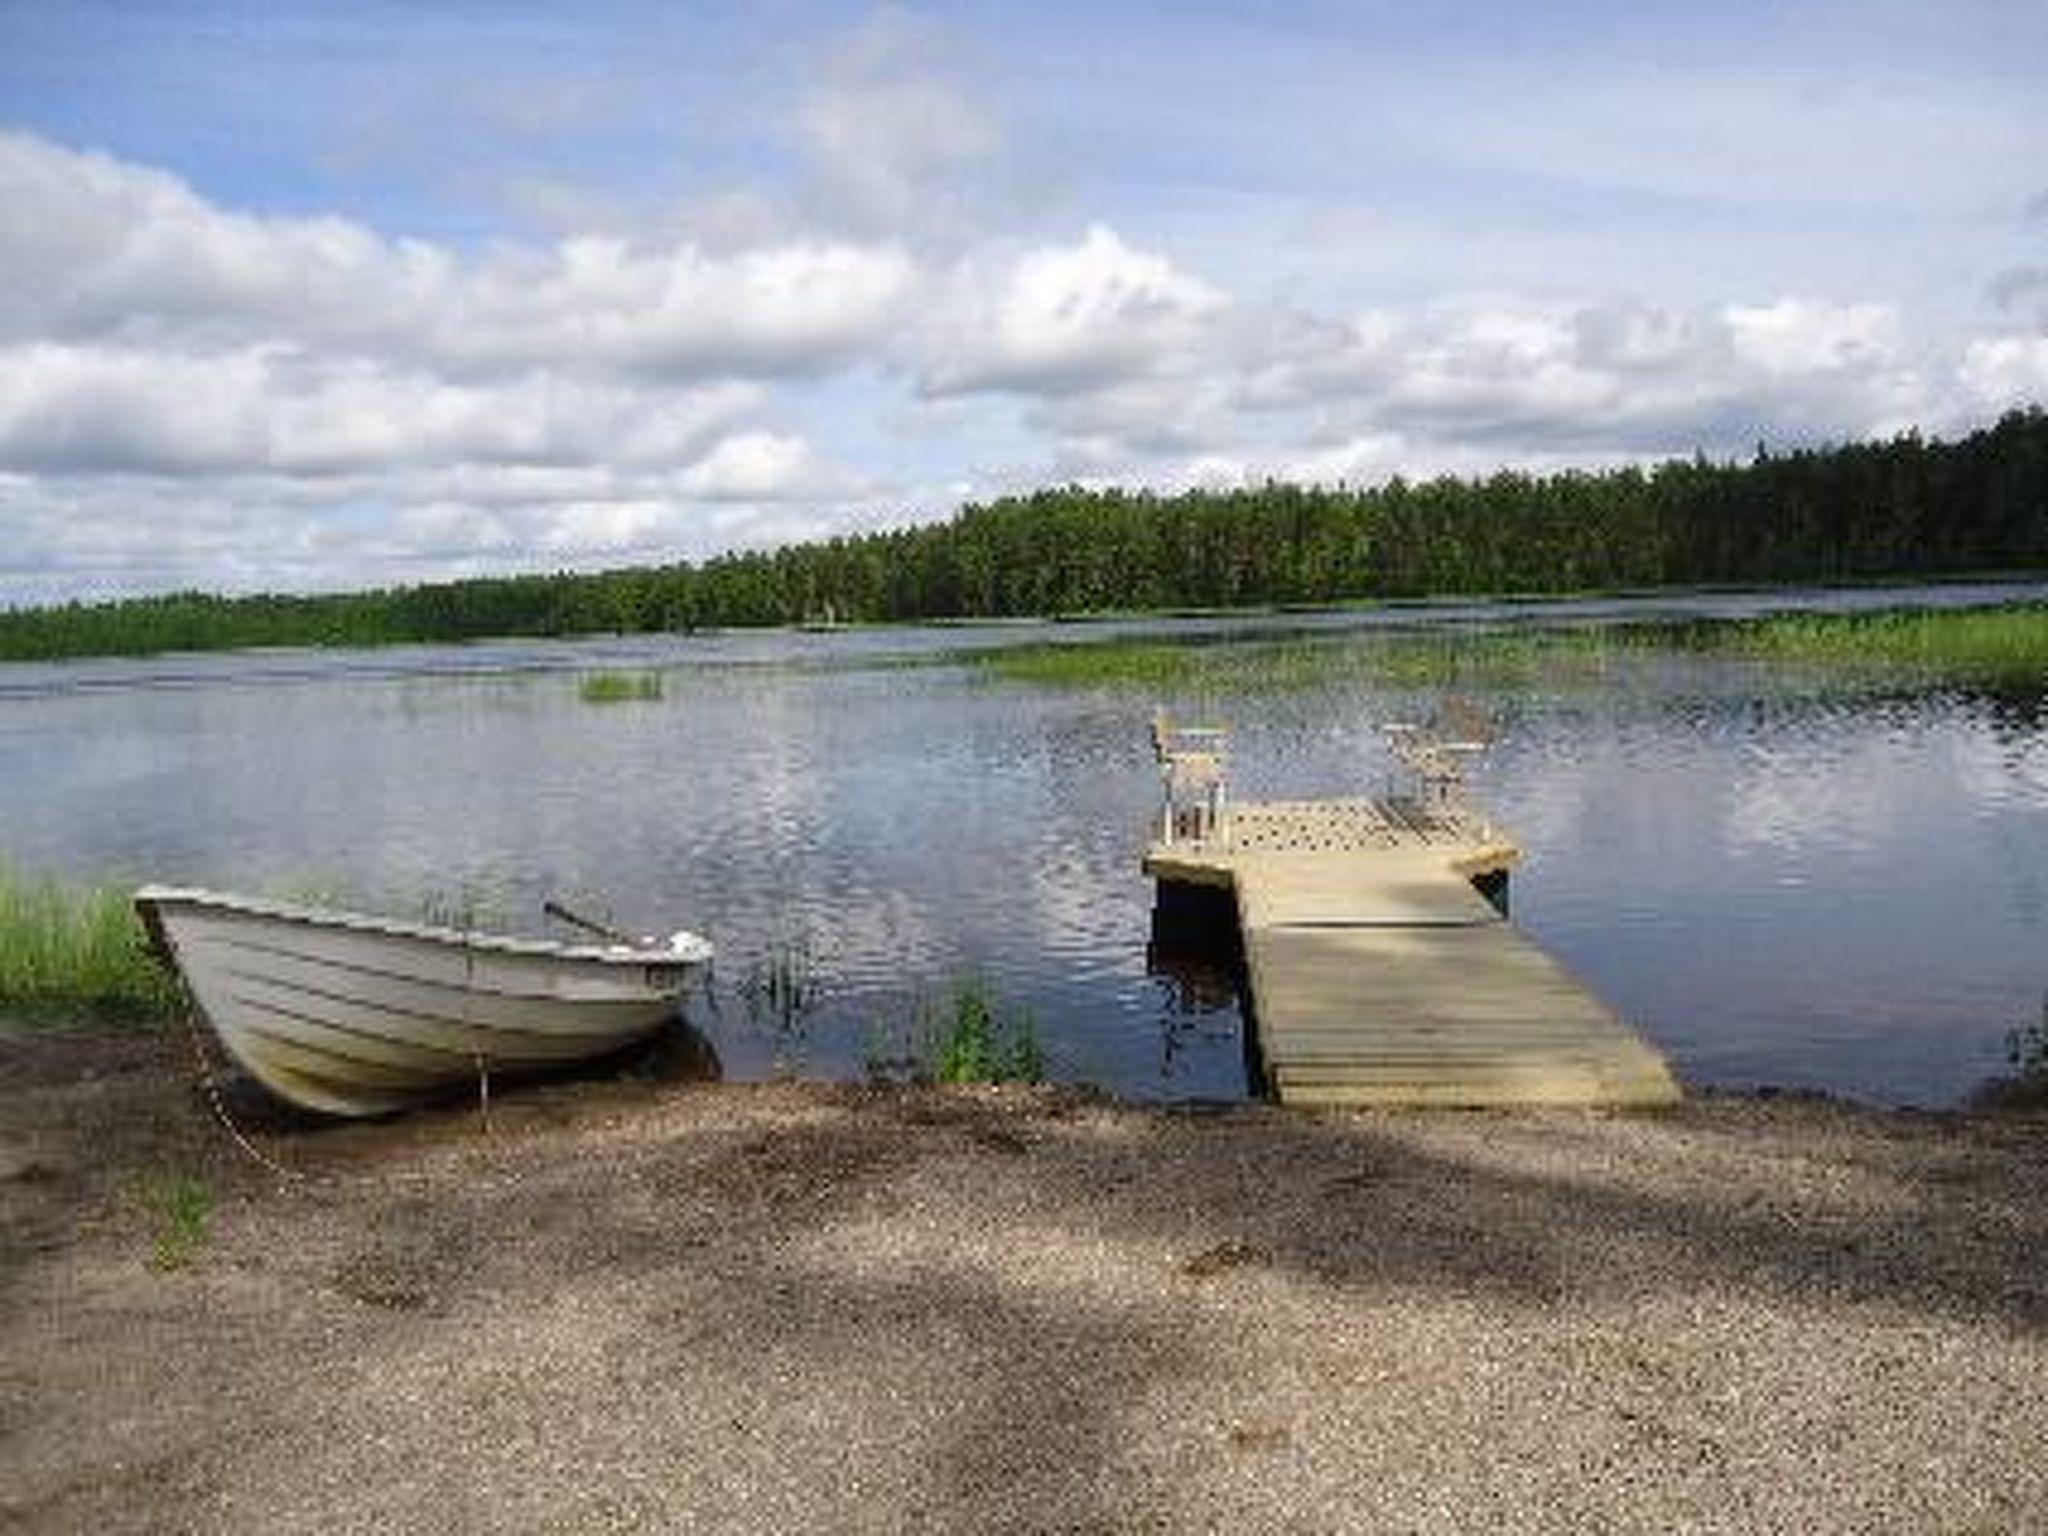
(969,1039)
(965,1036)
(619,687)
(77,952)
(2025,1087)
(781,992)
(181,1206)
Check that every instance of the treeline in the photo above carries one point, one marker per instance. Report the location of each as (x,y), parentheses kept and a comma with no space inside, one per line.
(1909,506)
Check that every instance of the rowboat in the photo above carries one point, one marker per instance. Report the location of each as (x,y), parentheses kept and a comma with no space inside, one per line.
(348,1014)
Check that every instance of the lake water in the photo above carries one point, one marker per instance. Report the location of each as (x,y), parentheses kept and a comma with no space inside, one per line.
(1777,880)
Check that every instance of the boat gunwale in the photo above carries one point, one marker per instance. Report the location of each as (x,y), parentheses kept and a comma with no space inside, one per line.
(151,899)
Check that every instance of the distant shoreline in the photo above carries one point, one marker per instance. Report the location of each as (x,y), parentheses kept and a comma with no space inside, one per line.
(1907,508)
(2024,584)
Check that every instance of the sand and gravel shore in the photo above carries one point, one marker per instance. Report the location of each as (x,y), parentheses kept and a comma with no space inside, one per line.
(636,1304)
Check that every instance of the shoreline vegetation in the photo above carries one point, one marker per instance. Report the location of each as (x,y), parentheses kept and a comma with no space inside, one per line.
(1999,648)
(1902,509)
(77,953)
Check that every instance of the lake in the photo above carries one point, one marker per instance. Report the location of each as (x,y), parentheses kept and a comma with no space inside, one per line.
(1780,880)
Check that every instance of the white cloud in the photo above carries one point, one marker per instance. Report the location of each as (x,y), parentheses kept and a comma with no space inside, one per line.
(2005,371)
(599,303)
(191,393)
(761,466)
(65,408)
(1795,337)
(71,409)
(94,249)
(1067,318)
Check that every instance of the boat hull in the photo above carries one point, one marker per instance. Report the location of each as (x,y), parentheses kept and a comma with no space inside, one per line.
(351,1015)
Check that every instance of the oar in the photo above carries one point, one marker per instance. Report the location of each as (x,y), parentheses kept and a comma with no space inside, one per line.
(554,908)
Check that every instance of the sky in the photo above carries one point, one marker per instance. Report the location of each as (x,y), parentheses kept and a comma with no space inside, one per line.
(304,296)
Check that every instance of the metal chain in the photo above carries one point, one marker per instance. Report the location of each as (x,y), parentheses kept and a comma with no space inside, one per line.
(211,1086)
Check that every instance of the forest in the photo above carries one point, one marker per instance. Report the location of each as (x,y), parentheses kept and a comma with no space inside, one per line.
(1909,506)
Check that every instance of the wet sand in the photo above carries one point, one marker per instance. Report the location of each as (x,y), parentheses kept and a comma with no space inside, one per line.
(631,1303)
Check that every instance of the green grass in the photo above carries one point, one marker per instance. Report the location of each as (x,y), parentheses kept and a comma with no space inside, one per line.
(619,687)
(181,1207)
(963,1036)
(969,1039)
(70,953)
(2005,647)
(1432,659)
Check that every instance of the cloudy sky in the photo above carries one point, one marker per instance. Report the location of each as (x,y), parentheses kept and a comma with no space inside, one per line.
(306,295)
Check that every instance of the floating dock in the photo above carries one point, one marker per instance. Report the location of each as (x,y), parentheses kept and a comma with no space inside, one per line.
(1383,968)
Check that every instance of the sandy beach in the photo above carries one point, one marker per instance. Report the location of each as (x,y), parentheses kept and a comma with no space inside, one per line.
(629,1303)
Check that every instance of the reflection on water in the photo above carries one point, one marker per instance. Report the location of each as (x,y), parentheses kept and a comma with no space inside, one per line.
(1776,883)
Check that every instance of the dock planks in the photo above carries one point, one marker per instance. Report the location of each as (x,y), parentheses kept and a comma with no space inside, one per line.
(1380,975)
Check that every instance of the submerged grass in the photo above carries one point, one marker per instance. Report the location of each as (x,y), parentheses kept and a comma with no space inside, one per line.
(781,992)
(70,953)
(619,687)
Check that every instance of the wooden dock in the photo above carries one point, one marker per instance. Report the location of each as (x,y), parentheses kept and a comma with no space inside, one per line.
(1380,974)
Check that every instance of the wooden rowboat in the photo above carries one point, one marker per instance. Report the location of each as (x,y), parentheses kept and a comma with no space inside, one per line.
(353,1015)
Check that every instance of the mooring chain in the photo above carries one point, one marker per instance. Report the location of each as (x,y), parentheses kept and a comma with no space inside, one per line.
(211,1086)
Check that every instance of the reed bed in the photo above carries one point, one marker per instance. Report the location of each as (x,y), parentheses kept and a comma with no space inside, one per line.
(71,952)
(2004,647)
(1496,658)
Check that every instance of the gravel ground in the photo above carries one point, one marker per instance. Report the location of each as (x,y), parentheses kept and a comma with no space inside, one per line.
(643,1304)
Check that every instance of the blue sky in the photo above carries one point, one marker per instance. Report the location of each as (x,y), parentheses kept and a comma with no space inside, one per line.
(311,295)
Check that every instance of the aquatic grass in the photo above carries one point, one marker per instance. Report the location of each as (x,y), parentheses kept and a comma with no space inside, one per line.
(2025,1087)
(1433,658)
(619,687)
(2005,647)
(964,1035)
(781,993)
(2002,647)
(2026,1048)
(969,1039)
(75,952)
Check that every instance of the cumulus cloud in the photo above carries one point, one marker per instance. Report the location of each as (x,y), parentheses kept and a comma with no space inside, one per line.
(196,394)
(763,466)
(70,409)
(1121,358)
(97,250)
(1066,318)
(2004,371)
